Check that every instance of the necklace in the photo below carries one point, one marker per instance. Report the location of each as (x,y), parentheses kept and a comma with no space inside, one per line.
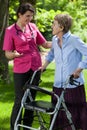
(23,30)
(32,34)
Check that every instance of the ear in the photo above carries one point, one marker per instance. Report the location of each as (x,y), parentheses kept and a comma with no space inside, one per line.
(61,28)
(19,15)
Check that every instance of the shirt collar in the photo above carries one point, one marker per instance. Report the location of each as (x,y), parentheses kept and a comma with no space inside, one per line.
(66,35)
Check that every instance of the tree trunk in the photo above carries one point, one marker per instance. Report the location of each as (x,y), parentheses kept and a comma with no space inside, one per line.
(4,5)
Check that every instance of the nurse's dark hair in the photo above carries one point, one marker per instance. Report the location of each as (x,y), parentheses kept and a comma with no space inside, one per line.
(23,8)
(65,21)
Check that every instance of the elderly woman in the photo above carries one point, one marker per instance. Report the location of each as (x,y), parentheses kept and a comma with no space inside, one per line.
(68,51)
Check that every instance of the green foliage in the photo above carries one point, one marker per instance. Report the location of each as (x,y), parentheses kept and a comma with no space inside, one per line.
(44,21)
(80,25)
(12,11)
(75,8)
(79,16)
(52,4)
(47,9)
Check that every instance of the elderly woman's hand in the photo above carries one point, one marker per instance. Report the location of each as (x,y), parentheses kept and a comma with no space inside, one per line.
(77,72)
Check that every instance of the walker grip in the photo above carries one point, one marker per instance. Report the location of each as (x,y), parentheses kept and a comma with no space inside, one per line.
(72,81)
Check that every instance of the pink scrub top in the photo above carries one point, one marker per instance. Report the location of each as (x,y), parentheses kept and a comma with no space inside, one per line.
(24,42)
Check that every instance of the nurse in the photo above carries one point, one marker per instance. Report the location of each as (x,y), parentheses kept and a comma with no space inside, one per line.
(21,43)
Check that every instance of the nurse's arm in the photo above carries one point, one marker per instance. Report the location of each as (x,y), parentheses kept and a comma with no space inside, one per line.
(47,44)
(10,55)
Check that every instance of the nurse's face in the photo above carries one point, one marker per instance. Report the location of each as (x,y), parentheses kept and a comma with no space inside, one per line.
(26,17)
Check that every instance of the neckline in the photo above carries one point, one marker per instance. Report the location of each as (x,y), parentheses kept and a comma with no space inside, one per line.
(19,28)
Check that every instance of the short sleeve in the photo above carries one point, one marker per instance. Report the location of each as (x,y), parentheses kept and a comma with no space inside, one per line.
(8,40)
(40,39)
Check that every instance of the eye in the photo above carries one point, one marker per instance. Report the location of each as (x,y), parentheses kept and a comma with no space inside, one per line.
(30,16)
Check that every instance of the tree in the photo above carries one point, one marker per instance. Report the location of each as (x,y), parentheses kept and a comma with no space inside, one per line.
(4,6)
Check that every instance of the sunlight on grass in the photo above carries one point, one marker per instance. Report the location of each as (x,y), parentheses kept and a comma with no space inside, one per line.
(85,77)
(5,111)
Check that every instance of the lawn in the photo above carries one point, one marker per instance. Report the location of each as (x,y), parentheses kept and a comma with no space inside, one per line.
(7,95)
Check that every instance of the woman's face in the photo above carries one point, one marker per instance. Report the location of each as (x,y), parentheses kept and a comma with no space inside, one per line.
(26,17)
(56,28)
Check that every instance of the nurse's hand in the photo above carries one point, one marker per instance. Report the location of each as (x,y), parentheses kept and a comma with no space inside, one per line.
(17,54)
(12,54)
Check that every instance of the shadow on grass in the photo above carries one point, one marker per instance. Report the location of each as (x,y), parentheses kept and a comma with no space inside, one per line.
(6,93)
(4,124)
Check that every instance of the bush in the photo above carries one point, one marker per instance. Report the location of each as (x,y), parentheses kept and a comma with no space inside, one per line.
(44,20)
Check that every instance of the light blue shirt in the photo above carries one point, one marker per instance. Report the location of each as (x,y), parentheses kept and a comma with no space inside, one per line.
(71,56)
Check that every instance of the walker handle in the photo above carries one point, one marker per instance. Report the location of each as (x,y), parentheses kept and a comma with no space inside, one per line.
(72,81)
(43,90)
(32,78)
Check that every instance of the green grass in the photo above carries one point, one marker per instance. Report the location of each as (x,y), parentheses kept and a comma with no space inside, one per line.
(7,95)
